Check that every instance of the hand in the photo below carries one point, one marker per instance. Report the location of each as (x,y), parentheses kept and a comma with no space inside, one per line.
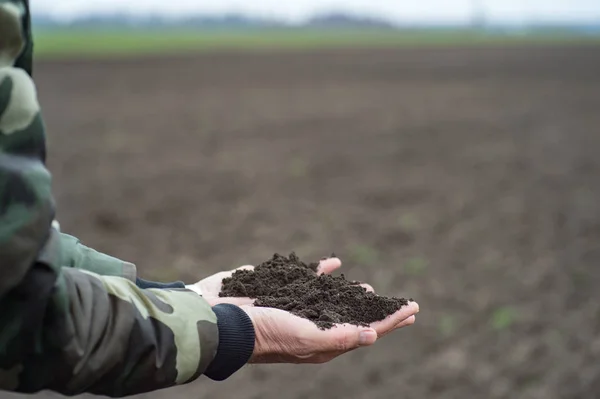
(284,338)
(211,286)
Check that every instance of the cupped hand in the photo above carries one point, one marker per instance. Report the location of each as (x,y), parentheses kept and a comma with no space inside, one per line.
(210,287)
(282,337)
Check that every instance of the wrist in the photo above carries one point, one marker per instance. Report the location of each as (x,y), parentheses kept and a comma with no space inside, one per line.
(267,347)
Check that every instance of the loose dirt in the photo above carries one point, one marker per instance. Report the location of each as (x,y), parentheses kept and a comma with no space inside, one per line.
(290,284)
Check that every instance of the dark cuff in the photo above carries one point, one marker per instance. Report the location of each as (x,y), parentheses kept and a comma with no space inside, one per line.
(144,284)
(236,342)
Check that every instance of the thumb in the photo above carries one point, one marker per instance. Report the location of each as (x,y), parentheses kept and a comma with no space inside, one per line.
(346,338)
(367,337)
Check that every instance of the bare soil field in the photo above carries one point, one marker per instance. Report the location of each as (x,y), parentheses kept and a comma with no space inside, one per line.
(468,179)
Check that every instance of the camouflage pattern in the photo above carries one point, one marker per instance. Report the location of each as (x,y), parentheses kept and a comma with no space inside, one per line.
(72,320)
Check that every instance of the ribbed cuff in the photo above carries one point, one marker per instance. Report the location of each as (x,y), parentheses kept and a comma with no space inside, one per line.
(236,342)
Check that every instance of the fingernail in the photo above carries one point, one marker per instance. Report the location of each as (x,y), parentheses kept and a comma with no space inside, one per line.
(367,337)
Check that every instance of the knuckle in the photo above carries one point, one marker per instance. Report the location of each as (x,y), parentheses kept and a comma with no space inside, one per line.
(345,343)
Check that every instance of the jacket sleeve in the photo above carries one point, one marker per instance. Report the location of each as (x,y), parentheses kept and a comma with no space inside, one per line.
(79,256)
(71,330)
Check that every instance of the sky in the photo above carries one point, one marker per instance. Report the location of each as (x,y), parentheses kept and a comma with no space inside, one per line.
(447,11)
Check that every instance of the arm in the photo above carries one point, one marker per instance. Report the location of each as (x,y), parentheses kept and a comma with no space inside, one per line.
(70,330)
(78,256)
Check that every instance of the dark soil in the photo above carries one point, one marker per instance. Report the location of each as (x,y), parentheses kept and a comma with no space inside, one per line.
(289,284)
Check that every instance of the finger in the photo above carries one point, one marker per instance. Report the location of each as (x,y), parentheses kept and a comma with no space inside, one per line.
(404,323)
(231,300)
(389,323)
(328,266)
(407,322)
(368,287)
(343,338)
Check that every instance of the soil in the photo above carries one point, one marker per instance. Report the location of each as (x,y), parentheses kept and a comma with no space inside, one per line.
(465,177)
(289,284)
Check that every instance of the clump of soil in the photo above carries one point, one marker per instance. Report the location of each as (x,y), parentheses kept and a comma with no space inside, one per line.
(290,284)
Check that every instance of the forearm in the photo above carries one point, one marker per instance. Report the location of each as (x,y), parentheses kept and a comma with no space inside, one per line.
(76,255)
(101,335)
(236,332)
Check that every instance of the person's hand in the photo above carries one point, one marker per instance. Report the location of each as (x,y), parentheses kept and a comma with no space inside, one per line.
(211,286)
(284,338)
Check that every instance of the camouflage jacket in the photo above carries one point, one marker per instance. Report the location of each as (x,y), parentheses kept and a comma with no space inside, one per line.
(73,320)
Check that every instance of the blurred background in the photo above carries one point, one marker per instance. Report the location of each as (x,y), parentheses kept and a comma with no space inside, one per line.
(444,150)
